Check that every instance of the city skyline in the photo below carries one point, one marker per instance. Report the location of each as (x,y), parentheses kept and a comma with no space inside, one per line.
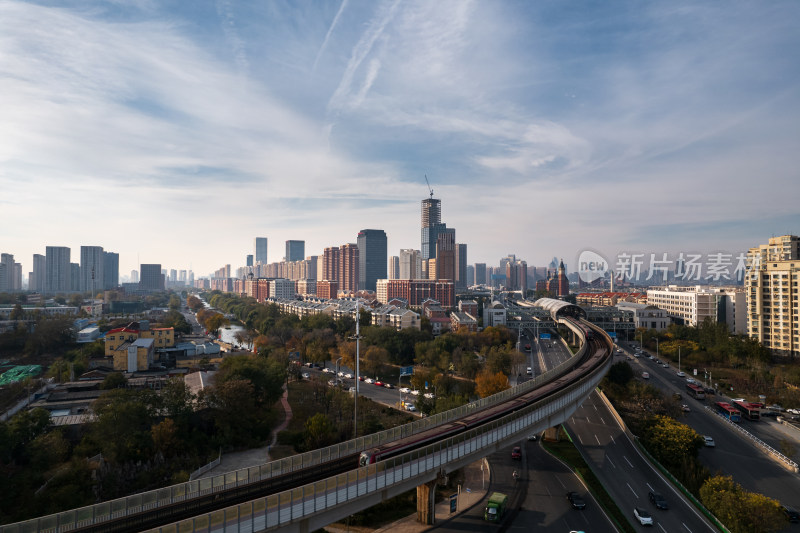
(189,132)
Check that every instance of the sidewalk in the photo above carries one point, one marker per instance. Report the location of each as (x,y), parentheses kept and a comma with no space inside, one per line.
(473,492)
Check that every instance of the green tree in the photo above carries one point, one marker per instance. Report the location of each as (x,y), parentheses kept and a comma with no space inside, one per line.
(174,302)
(319,431)
(114,380)
(121,430)
(374,359)
(620,373)
(266,375)
(17,313)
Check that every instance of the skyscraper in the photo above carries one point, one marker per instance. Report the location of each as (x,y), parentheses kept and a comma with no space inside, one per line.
(431,226)
(410,264)
(372,263)
(480,273)
(461,266)
(92,269)
(151,277)
(446,255)
(394,267)
(330,263)
(37,280)
(57,269)
(249,260)
(431,212)
(295,250)
(111,270)
(261,250)
(349,267)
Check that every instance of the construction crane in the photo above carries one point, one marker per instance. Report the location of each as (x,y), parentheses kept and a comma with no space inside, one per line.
(429,185)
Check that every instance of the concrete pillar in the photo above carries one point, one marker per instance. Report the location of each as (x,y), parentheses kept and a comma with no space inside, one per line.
(553,434)
(426,503)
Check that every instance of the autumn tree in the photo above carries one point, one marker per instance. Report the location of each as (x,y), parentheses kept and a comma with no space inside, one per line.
(670,441)
(488,383)
(374,359)
(741,511)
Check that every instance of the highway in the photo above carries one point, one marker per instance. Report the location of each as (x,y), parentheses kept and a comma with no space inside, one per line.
(758,472)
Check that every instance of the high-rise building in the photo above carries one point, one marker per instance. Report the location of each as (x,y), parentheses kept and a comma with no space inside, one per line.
(394,267)
(430,235)
(10,274)
(134,276)
(295,250)
(151,277)
(517,276)
(74,277)
(92,269)
(249,260)
(348,267)
(470,275)
(771,281)
(461,266)
(480,273)
(110,270)
(330,263)
(312,267)
(372,264)
(261,250)
(37,280)
(446,255)
(431,212)
(416,291)
(410,264)
(58,273)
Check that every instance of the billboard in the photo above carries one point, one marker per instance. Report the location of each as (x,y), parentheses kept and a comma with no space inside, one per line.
(406,370)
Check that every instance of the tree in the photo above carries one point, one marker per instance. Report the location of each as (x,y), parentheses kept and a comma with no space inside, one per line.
(266,375)
(670,441)
(121,430)
(318,431)
(236,413)
(165,437)
(114,380)
(174,302)
(620,373)
(741,511)
(17,313)
(374,359)
(487,383)
(177,398)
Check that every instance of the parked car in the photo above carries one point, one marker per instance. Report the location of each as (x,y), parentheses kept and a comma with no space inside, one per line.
(643,516)
(428,395)
(686,408)
(645,375)
(530,371)
(709,441)
(369,380)
(388,385)
(348,375)
(306,375)
(379,383)
(516,453)
(658,500)
(405,390)
(415,392)
(410,407)
(576,501)
(681,374)
(791,514)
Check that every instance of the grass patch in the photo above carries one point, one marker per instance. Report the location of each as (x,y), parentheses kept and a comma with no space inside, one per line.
(566,451)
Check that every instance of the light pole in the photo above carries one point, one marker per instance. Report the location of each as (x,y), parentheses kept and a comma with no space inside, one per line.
(357,338)
(679,358)
(679,364)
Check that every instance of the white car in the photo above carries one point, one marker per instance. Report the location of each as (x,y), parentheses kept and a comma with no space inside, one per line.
(643,516)
(340,374)
(530,371)
(405,390)
(410,407)
(306,375)
(428,395)
(709,441)
(793,411)
(690,381)
(327,370)
(348,375)
(369,380)
(681,374)
(415,392)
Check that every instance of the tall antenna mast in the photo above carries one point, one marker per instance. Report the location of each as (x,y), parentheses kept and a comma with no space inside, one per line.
(429,185)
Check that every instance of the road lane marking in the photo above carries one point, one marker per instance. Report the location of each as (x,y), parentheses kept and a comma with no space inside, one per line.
(626,460)
(649,486)
(580,439)
(612,439)
(662,528)
(610,461)
(633,491)
(597,439)
(603,421)
(687,527)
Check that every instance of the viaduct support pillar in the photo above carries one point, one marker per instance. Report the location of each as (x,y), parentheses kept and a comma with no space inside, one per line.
(426,503)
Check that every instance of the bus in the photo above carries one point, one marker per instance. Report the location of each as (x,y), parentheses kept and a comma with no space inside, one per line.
(727,410)
(695,391)
(748,410)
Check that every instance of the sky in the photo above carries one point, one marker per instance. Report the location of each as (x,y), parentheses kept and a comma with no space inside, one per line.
(175,132)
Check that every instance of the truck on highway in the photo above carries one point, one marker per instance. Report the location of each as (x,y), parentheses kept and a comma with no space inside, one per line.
(495,507)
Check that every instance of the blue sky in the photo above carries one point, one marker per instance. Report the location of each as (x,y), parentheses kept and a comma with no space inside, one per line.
(177,131)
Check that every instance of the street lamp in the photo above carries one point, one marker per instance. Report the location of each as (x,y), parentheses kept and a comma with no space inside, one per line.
(679,359)
(357,338)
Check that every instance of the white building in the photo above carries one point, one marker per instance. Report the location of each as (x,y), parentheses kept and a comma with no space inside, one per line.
(494,314)
(692,305)
(281,288)
(646,316)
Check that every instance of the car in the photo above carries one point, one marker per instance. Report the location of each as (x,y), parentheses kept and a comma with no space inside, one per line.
(686,408)
(326,370)
(708,441)
(428,395)
(378,383)
(791,514)
(681,374)
(348,375)
(645,375)
(388,385)
(369,380)
(533,437)
(637,354)
(415,392)
(405,390)
(576,501)
(340,374)
(530,371)
(306,375)
(643,516)
(665,365)
(410,407)
(516,453)
(793,411)
(658,500)
(691,381)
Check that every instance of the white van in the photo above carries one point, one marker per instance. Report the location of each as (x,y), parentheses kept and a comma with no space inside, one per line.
(645,375)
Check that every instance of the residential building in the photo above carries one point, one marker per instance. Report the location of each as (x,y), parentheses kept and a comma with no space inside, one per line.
(772,288)
(37,279)
(462,322)
(348,267)
(10,274)
(395,317)
(260,250)
(58,273)
(446,255)
(307,287)
(468,306)
(416,291)
(249,260)
(295,250)
(282,288)
(394,267)
(74,277)
(410,264)
(110,270)
(327,289)
(330,263)
(693,305)
(646,316)
(372,263)
(92,269)
(470,275)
